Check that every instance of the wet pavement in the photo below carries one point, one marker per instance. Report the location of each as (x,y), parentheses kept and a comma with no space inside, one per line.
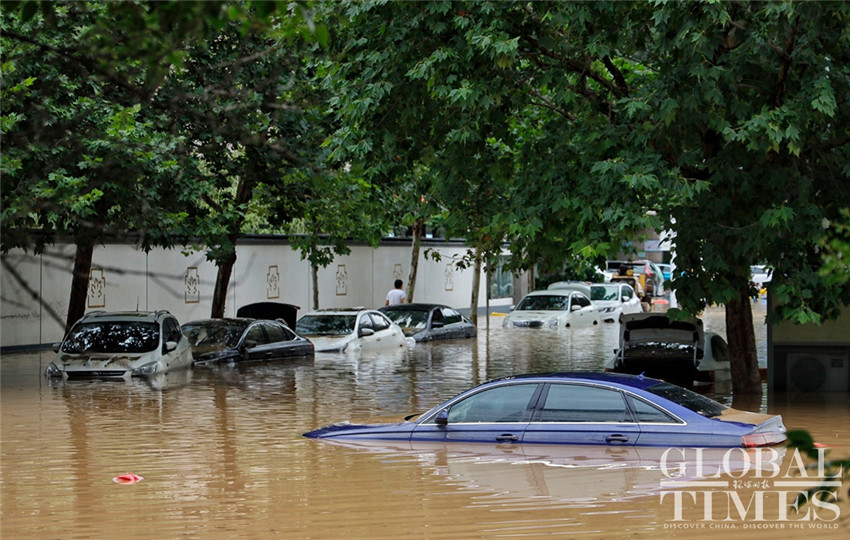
(221,455)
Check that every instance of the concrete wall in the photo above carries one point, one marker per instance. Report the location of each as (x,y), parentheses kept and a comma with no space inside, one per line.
(34,289)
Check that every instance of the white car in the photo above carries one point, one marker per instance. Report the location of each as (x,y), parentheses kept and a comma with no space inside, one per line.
(556,308)
(614,299)
(350,330)
(121,345)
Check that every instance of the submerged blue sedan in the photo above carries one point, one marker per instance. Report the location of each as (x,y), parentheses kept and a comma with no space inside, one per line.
(577,408)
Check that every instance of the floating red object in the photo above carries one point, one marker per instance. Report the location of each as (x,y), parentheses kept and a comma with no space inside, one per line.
(128,478)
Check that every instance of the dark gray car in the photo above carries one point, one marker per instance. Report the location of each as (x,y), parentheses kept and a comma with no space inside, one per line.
(430,322)
(242,339)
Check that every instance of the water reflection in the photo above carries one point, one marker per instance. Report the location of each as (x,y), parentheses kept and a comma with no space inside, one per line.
(222,455)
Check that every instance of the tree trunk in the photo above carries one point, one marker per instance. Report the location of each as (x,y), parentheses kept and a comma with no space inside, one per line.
(314,270)
(222,282)
(244,194)
(743,358)
(418,228)
(80,280)
(476,284)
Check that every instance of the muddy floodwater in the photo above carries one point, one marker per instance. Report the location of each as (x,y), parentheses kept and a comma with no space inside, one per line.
(221,455)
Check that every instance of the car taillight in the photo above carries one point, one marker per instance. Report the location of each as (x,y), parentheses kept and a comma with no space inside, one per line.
(753,440)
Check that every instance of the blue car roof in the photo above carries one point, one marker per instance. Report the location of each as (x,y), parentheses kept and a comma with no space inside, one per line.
(634,381)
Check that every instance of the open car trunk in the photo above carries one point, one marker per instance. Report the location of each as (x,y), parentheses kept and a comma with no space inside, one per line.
(652,344)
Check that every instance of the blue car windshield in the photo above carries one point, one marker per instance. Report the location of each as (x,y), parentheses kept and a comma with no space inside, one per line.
(544,303)
(112,337)
(686,398)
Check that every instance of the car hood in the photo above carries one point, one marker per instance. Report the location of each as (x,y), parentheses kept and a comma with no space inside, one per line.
(102,361)
(330,343)
(601,304)
(347,430)
(532,315)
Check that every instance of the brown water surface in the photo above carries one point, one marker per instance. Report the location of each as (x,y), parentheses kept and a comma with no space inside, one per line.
(221,454)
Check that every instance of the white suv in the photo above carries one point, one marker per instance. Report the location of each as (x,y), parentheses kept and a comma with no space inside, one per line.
(120,345)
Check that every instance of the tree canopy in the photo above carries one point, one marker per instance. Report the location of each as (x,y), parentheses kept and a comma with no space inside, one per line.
(564,129)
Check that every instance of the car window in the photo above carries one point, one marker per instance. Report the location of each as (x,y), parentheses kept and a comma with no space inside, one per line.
(579,403)
(256,334)
(366,321)
(171,330)
(379,322)
(451,316)
(580,300)
(214,335)
(289,335)
(113,336)
(628,293)
(646,412)
(686,398)
(508,403)
(276,332)
(719,348)
(603,292)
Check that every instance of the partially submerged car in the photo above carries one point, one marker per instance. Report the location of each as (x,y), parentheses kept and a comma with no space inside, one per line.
(674,350)
(557,308)
(611,299)
(576,408)
(243,339)
(349,330)
(429,322)
(120,345)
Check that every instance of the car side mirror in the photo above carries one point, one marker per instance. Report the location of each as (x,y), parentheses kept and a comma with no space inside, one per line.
(575,307)
(442,418)
(56,347)
(170,346)
(365,332)
(249,344)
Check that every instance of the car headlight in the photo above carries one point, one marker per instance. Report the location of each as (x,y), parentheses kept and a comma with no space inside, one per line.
(53,370)
(147,369)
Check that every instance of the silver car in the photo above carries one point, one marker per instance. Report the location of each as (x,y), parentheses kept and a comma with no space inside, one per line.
(121,345)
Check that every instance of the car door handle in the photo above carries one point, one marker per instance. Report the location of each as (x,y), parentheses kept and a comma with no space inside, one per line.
(507,437)
(616,438)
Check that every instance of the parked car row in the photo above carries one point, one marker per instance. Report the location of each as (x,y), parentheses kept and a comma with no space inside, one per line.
(574,304)
(121,345)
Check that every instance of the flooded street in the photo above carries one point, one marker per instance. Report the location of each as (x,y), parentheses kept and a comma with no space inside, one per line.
(221,454)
